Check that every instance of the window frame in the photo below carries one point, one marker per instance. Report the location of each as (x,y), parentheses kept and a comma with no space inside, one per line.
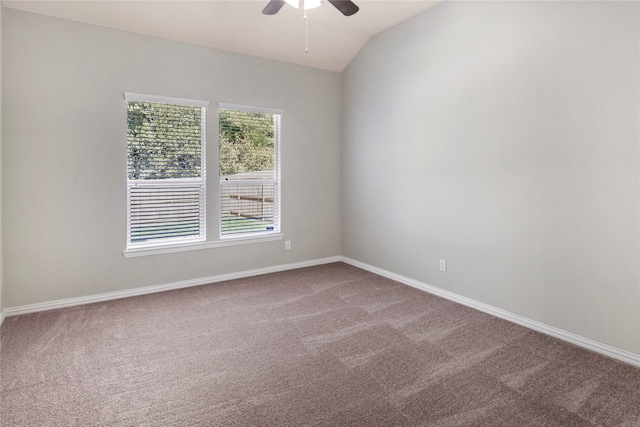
(277,182)
(200,182)
(211,211)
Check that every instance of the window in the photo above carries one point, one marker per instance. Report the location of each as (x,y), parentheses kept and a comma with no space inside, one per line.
(165,171)
(249,171)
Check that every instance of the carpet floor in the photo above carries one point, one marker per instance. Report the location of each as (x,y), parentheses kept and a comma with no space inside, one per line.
(330,345)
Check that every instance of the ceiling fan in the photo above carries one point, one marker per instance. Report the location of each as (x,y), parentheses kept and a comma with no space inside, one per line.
(346,7)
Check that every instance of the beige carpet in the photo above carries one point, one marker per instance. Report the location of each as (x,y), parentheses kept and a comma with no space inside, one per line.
(323,346)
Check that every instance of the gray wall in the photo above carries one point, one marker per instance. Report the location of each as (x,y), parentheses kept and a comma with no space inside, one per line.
(503,137)
(64,162)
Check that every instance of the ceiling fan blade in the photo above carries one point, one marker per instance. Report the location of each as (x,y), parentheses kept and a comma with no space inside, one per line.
(347,7)
(272,7)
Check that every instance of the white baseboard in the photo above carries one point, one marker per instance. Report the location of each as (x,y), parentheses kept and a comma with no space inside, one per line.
(598,347)
(70,302)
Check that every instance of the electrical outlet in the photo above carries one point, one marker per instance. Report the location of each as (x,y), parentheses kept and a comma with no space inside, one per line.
(287,244)
(443,265)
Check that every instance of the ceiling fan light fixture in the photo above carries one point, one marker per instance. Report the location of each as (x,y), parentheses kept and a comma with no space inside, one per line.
(312,4)
(346,7)
(306,4)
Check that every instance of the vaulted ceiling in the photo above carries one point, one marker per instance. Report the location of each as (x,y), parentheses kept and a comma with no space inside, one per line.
(239,25)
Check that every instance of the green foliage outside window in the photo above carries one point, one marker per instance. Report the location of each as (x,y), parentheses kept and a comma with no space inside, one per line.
(246,142)
(163,141)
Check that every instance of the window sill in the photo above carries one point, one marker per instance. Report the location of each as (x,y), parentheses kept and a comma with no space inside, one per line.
(167,249)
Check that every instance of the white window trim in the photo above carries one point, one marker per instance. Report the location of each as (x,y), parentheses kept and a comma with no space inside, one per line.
(142,97)
(177,247)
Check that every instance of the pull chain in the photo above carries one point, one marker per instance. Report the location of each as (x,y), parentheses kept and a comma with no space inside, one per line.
(306,32)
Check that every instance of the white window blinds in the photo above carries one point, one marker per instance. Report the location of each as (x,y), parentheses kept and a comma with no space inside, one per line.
(165,170)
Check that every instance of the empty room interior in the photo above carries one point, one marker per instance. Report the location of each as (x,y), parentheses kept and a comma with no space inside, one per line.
(452,233)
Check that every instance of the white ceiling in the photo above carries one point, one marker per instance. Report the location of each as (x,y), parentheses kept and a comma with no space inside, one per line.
(240,26)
